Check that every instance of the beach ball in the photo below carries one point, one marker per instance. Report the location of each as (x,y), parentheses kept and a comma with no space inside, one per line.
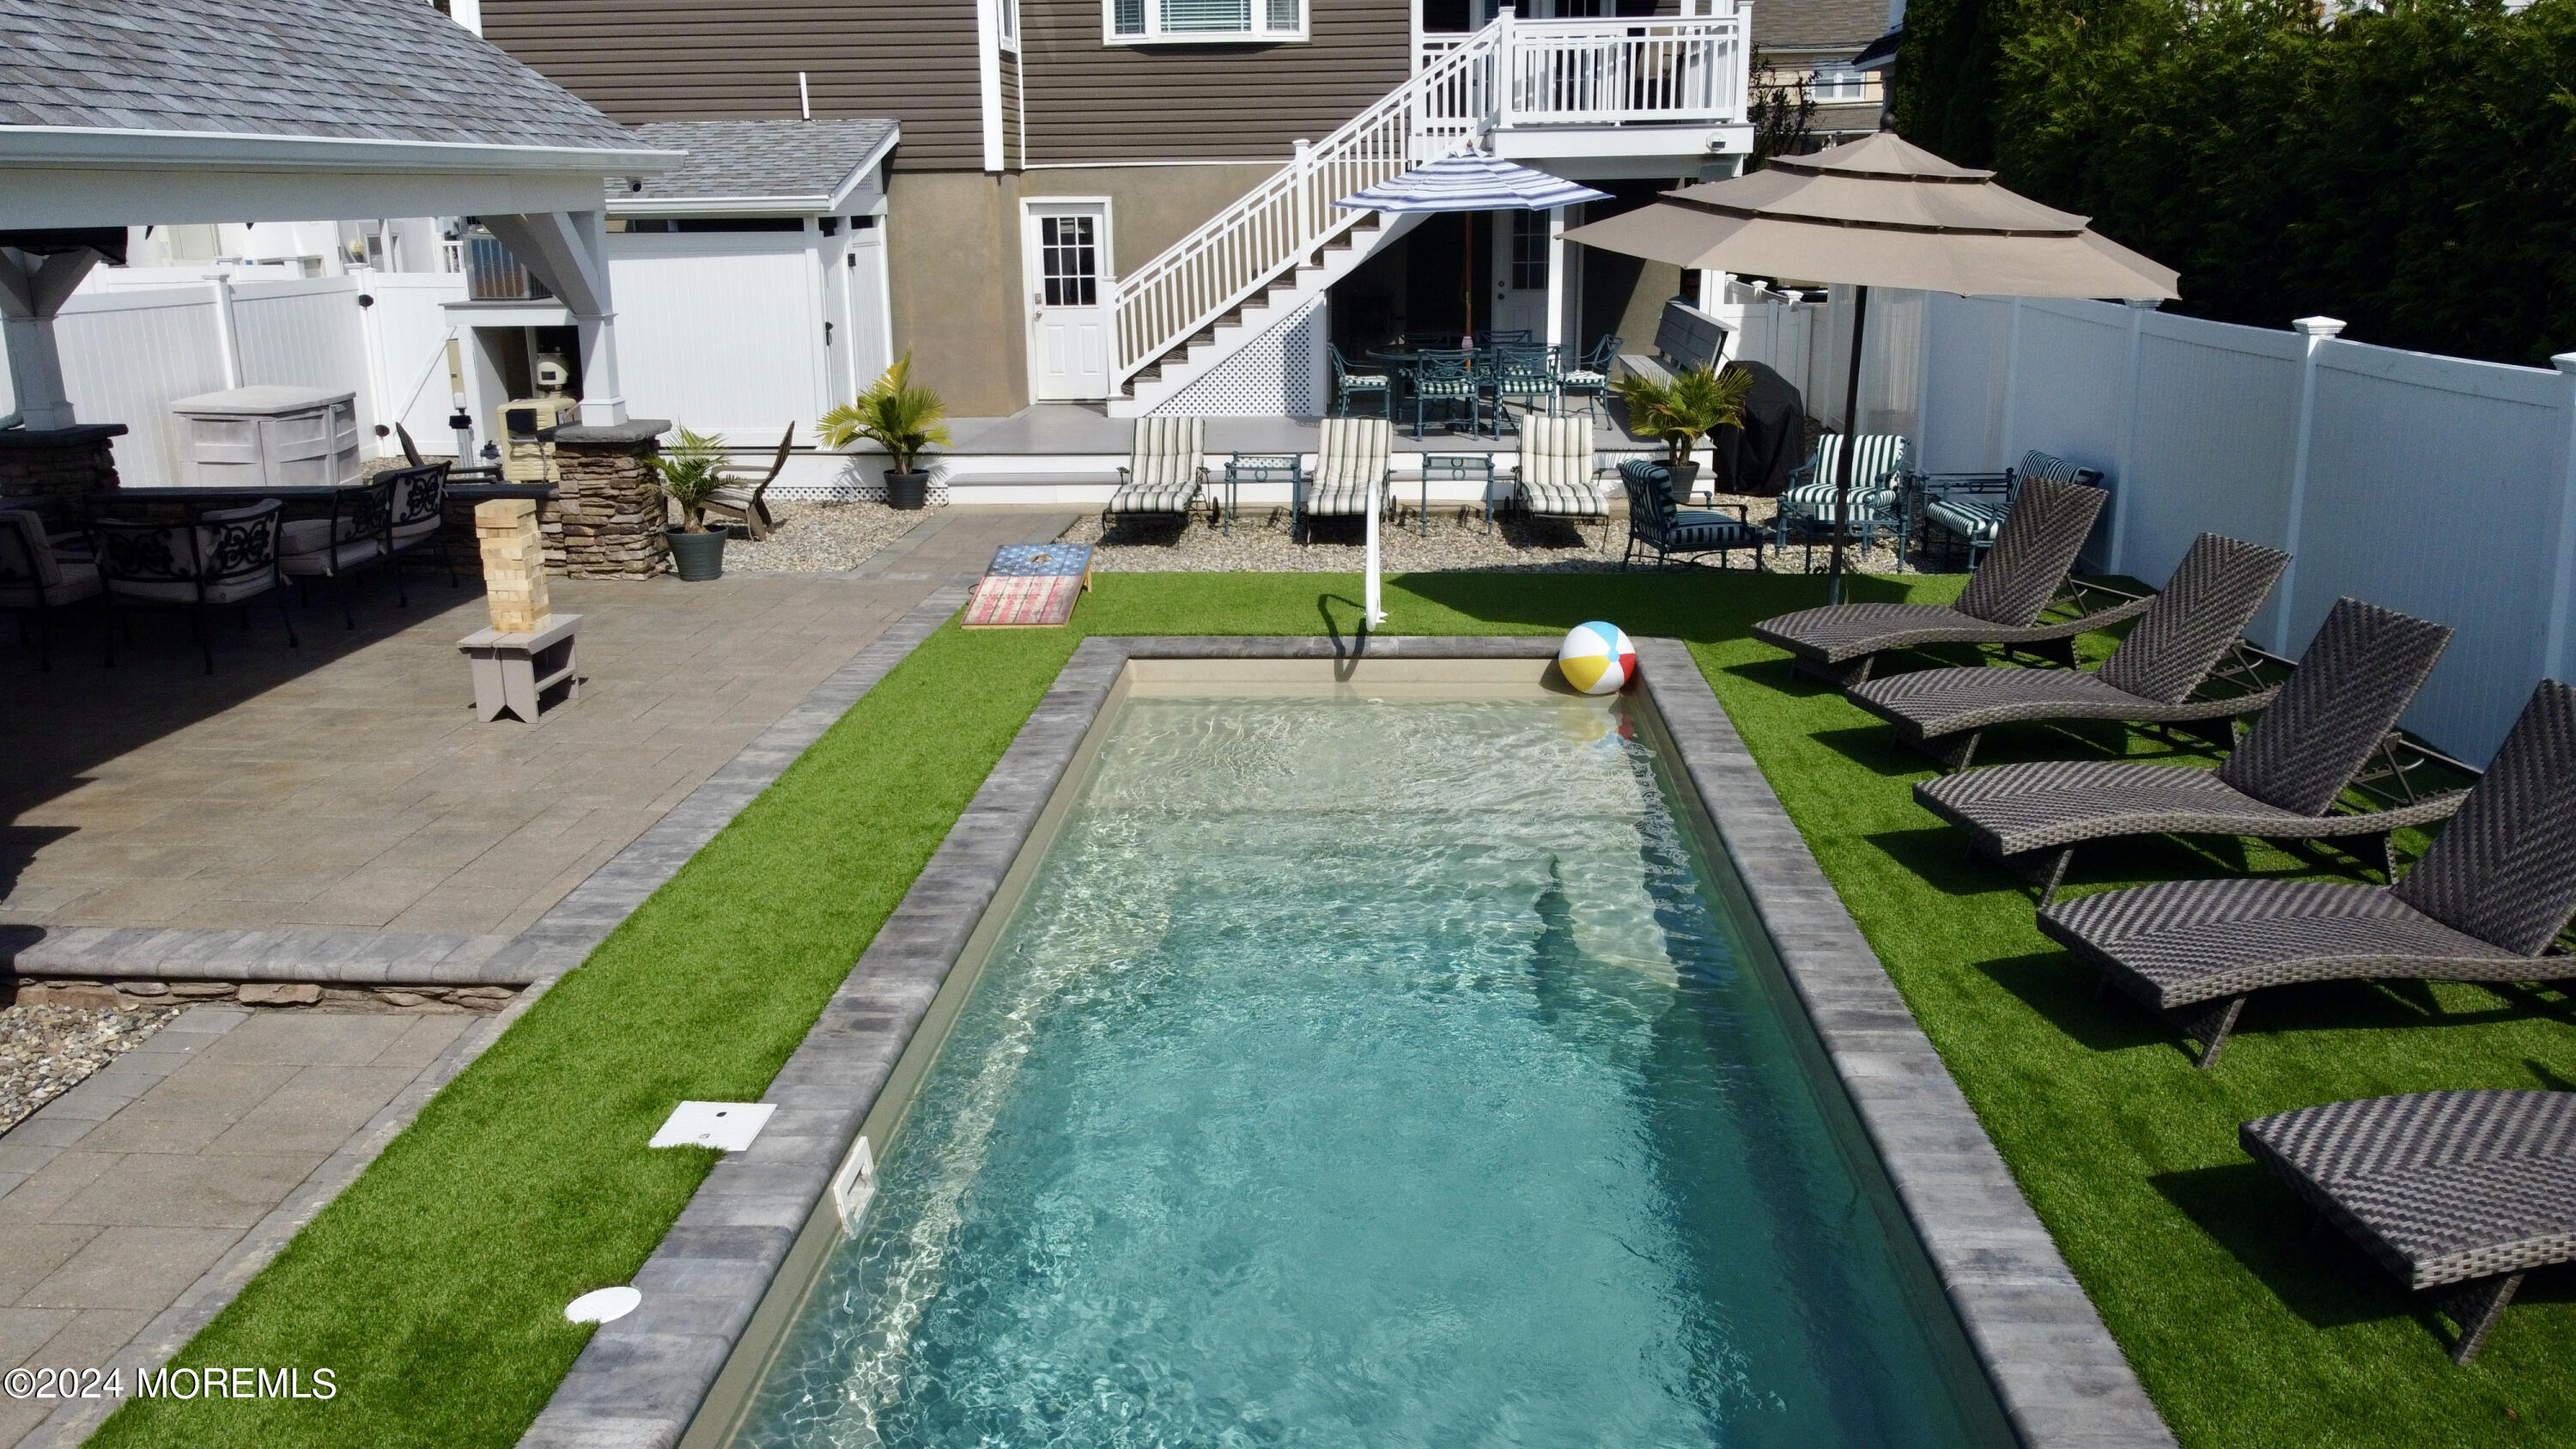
(1596,658)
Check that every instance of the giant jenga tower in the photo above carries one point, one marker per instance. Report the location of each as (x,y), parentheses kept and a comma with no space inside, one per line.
(514,564)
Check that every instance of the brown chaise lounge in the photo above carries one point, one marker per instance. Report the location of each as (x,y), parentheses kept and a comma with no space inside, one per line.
(2178,640)
(2281,783)
(2482,905)
(2033,553)
(2457,1191)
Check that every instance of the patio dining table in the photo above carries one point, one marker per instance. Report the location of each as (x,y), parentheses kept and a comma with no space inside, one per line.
(219,495)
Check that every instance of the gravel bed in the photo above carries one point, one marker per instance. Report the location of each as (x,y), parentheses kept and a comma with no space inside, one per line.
(1260,543)
(45,1051)
(821,538)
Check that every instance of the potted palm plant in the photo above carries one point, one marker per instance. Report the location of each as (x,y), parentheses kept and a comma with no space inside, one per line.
(1684,410)
(692,469)
(899,416)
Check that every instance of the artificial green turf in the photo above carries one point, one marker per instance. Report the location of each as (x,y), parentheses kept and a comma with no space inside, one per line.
(433,1286)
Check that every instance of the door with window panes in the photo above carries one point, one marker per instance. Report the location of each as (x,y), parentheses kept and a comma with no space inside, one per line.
(1520,272)
(1067,250)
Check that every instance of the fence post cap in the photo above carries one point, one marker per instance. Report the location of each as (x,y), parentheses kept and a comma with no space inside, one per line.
(2149,304)
(2564,362)
(2318,326)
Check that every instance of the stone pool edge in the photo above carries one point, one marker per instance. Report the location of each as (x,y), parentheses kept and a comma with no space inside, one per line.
(2062,1380)
(641,1381)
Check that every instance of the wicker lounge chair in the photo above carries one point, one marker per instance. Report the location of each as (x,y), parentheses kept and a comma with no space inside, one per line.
(1558,478)
(2169,653)
(2458,1192)
(2358,676)
(2001,605)
(1166,468)
(1350,455)
(2481,905)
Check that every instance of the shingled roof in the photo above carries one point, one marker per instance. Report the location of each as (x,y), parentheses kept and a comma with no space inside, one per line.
(347,70)
(754,161)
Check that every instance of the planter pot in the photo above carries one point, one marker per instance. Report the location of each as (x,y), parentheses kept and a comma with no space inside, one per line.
(699,556)
(1685,482)
(906,490)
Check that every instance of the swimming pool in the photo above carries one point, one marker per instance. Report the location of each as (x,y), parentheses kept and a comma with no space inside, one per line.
(1376,1071)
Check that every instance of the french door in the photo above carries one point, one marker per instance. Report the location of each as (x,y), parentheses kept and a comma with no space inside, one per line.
(1066,247)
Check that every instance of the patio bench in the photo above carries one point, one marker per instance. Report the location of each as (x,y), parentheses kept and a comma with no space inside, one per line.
(1685,338)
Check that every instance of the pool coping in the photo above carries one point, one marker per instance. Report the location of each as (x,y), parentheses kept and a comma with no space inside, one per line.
(2062,1382)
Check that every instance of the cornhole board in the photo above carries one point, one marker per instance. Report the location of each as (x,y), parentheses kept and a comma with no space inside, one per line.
(1030,586)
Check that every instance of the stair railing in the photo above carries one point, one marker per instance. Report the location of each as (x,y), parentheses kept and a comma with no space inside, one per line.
(1449,105)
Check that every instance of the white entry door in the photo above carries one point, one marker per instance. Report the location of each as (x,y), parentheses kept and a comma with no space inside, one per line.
(1520,272)
(1067,246)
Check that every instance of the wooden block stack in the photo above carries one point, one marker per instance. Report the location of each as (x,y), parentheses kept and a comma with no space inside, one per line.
(514,564)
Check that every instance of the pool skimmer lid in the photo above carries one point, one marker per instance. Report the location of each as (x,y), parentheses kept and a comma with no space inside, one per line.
(605,1305)
(724,1126)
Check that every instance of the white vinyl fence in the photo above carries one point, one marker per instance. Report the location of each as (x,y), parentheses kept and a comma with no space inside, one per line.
(2438,486)
(134,341)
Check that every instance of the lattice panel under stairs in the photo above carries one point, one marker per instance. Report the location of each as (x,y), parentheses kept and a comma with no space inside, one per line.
(1272,375)
(862,481)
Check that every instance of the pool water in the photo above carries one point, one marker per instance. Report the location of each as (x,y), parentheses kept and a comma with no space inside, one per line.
(1374,1073)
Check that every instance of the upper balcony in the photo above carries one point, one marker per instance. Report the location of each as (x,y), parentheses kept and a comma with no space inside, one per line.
(1641,88)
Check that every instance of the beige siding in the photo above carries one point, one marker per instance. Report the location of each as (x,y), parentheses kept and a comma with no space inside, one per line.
(695,60)
(1089,102)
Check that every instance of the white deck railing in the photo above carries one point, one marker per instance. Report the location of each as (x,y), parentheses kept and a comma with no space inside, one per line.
(1511,73)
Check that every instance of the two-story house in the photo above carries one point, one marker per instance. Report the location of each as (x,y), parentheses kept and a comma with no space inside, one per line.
(1129,202)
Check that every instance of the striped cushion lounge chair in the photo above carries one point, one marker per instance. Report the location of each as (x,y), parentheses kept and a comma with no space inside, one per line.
(1166,468)
(2176,643)
(1351,454)
(2461,1193)
(2001,605)
(2481,905)
(2358,676)
(1655,526)
(1880,465)
(1973,509)
(1557,476)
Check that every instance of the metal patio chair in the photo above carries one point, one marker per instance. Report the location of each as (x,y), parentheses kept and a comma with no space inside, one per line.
(1166,469)
(354,538)
(34,580)
(2281,782)
(223,558)
(1449,382)
(1657,526)
(416,517)
(1526,373)
(2457,1193)
(2003,604)
(1588,376)
(1971,507)
(2484,904)
(1881,464)
(1347,382)
(2178,641)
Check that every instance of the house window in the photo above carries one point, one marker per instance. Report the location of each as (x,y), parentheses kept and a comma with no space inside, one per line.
(1008,23)
(1834,82)
(1176,22)
(1529,251)
(1068,261)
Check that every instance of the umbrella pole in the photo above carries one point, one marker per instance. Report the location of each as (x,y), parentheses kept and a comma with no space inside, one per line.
(1851,445)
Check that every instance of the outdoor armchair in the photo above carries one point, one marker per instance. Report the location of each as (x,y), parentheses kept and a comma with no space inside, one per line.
(2002,604)
(354,538)
(1352,455)
(33,580)
(1523,372)
(1346,383)
(1165,470)
(740,497)
(2169,653)
(1588,376)
(416,517)
(1450,382)
(1971,507)
(1881,463)
(1657,526)
(2482,905)
(225,557)
(2281,782)
(2457,1193)
(1558,478)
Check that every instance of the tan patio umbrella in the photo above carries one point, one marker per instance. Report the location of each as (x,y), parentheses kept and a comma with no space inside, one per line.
(1879,212)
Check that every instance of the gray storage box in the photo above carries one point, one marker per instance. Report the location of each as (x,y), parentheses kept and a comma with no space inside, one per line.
(268,437)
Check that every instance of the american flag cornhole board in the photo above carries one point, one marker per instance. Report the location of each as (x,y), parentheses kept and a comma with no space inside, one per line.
(1030,586)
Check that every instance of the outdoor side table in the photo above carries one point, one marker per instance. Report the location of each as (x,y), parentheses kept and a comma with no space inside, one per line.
(1259,468)
(1463,467)
(515,672)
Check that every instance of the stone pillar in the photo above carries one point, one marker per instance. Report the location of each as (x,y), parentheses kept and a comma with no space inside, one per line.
(612,513)
(57,462)
(514,565)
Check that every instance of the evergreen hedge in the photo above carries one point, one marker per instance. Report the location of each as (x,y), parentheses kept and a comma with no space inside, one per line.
(2411,170)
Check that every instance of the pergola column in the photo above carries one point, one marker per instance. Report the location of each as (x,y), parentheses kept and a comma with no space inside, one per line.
(33,288)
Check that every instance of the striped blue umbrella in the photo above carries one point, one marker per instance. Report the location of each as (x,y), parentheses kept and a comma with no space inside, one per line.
(1470,181)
